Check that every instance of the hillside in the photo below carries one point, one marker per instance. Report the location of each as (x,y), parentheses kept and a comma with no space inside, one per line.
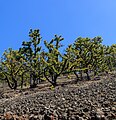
(88,100)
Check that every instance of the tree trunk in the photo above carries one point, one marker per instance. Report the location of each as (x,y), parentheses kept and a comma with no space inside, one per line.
(22,81)
(33,82)
(81,75)
(88,77)
(12,85)
(95,73)
(54,79)
(77,77)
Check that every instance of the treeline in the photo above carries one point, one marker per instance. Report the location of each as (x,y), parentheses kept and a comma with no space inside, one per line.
(32,64)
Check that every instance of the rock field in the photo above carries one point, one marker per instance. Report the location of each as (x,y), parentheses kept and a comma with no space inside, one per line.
(95,100)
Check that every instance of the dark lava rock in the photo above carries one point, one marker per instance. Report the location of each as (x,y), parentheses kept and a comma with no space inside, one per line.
(91,101)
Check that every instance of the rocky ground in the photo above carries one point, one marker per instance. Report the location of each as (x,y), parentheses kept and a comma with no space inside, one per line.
(89,100)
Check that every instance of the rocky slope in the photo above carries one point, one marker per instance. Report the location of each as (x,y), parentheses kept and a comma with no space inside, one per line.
(95,100)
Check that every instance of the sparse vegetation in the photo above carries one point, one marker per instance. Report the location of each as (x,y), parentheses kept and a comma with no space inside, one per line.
(46,84)
(33,63)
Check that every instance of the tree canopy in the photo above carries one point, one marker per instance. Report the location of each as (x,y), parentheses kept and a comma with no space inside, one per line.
(33,63)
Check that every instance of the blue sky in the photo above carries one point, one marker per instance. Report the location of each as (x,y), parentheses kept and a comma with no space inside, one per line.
(69,18)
